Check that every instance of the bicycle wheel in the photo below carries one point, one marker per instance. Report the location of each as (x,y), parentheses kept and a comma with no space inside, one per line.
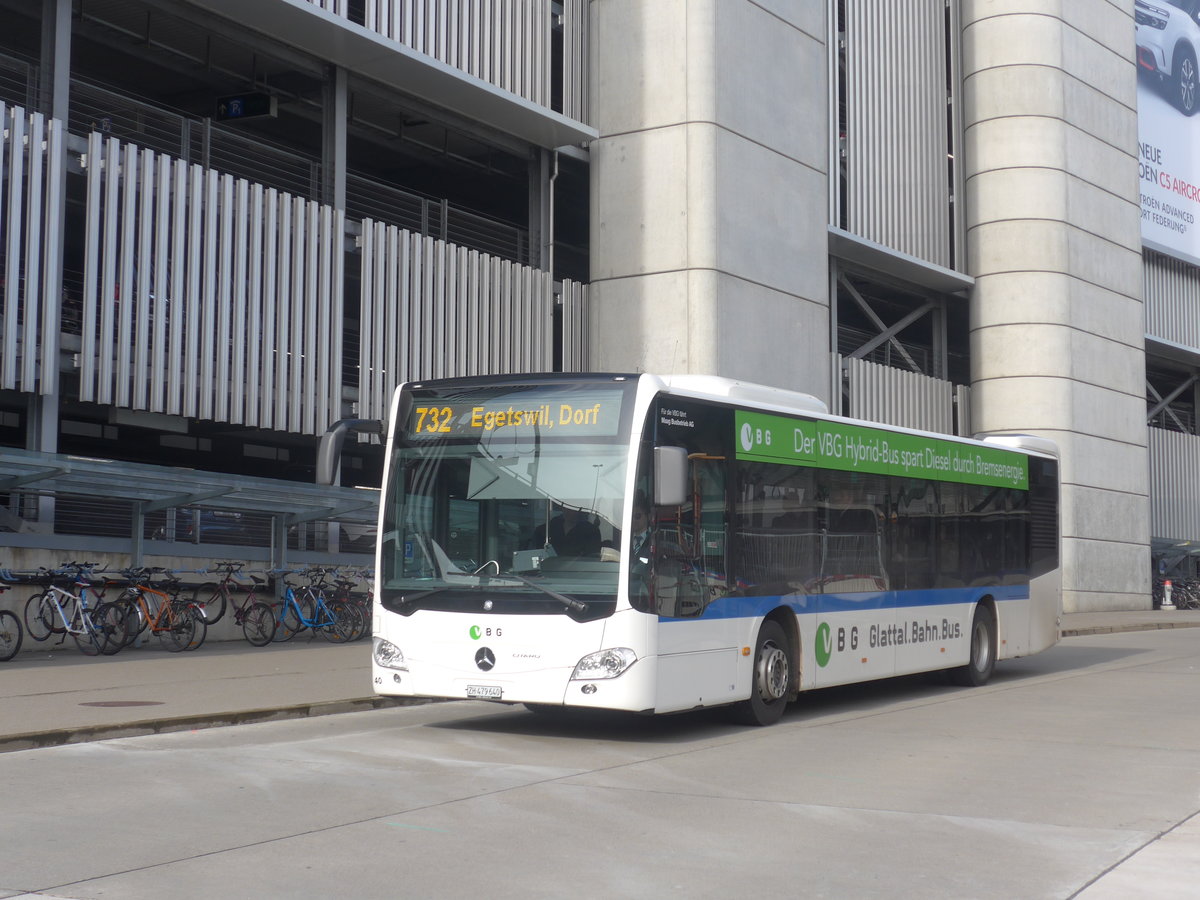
(287,621)
(306,603)
(37,617)
(347,624)
(178,628)
(333,624)
(360,621)
(88,637)
(201,621)
(211,598)
(364,609)
(131,612)
(258,624)
(115,624)
(10,635)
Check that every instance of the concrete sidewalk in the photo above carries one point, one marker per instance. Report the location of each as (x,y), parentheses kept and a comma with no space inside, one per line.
(59,696)
(55,695)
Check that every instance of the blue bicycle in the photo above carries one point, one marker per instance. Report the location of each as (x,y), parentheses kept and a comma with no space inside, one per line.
(307,608)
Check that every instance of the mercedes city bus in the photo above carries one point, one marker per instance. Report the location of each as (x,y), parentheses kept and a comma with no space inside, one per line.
(659,544)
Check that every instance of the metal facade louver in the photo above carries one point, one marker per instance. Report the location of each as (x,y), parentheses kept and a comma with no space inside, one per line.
(506,43)
(897,168)
(32,167)
(1174,483)
(435,310)
(208,296)
(1170,288)
(896,397)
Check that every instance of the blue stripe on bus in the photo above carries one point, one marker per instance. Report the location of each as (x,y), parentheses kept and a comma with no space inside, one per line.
(813,604)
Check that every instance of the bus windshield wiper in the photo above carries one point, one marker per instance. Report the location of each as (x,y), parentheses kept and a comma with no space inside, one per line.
(406,599)
(569,602)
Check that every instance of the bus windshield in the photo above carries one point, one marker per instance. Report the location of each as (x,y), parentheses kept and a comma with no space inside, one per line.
(509,494)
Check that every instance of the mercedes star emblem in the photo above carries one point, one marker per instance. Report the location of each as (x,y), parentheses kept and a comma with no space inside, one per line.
(485,659)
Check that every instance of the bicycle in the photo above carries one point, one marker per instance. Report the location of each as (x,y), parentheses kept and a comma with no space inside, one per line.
(256,618)
(258,625)
(344,593)
(335,624)
(55,610)
(353,616)
(213,597)
(11,633)
(179,624)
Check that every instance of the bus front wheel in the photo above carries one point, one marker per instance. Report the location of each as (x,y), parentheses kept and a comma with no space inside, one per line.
(771,679)
(979,668)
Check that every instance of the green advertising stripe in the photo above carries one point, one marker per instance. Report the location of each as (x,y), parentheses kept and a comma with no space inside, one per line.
(852,448)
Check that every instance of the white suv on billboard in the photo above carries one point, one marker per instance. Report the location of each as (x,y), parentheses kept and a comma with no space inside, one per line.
(1168,37)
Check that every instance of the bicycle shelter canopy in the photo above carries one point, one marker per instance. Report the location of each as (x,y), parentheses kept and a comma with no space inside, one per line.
(150,489)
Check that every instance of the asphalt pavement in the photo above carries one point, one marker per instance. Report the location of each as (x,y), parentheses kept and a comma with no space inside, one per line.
(52,694)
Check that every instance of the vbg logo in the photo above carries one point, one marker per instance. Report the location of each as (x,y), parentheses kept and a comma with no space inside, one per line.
(824,645)
(754,437)
(476,632)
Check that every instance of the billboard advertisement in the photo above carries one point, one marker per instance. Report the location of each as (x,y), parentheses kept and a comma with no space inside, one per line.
(1168,47)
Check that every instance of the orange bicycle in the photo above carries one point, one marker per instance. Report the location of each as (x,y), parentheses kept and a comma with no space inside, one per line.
(179,624)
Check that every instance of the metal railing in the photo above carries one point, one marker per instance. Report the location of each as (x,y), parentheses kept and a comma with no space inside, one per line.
(18,82)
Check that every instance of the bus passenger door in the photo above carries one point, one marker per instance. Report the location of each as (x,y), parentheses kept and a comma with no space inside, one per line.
(697,640)
(857,631)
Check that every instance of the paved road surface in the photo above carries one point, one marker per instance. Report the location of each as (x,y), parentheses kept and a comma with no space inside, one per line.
(1073,774)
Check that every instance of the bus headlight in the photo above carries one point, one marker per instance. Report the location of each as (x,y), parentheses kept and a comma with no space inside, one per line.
(604,664)
(389,655)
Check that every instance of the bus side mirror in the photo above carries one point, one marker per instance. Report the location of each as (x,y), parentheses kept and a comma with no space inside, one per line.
(670,476)
(329,452)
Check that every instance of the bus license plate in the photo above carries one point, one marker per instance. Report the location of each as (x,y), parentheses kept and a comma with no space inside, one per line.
(484,691)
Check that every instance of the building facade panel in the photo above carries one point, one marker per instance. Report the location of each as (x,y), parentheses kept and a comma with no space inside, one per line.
(749,89)
(641,79)
(1104,465)
(641,226)
(1042,349)
(1055,298)
(1108,575)
(719,198)
(1024,142)
(754,218)
(1058,402)
(1106,515)
(808,17)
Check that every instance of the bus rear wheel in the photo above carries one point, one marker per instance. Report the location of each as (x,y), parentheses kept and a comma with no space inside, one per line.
(771,680)
(979,668)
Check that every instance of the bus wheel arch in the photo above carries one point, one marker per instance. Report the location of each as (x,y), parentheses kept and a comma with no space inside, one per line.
(774,675)
(984,641)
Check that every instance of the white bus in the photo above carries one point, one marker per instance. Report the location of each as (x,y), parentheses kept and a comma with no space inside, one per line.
(659,544)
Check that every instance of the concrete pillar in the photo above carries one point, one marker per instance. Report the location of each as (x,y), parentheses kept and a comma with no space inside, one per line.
(1057,332)
(55,68)
(54,90)
(709,204)
(541,211)
(335,113)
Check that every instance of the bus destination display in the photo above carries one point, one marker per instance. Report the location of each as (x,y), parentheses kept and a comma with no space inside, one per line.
(593,414)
